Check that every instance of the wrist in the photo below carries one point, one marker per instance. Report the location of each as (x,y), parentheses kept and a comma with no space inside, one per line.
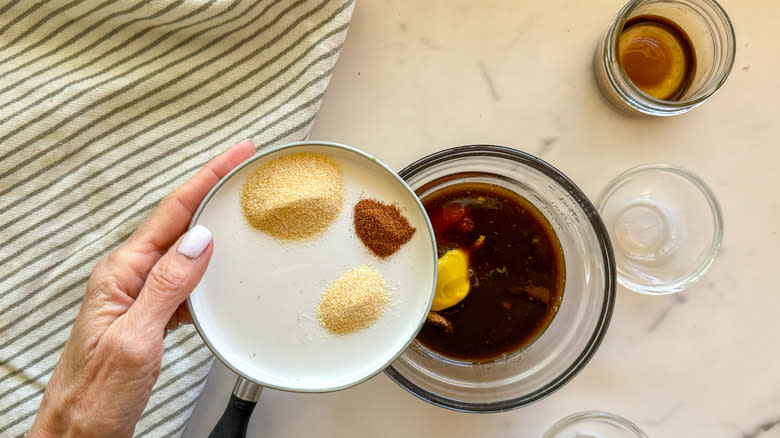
(40,430)
(64,416)
(51,421)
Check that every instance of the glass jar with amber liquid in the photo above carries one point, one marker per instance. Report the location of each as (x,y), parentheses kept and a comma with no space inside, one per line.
(665,57)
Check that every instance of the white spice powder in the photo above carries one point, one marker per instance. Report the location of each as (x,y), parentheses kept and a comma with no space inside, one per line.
(354,301)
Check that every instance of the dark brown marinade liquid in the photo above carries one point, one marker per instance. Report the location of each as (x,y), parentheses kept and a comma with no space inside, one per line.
(517,274)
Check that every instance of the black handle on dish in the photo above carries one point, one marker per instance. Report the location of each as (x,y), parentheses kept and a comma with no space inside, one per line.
(235,419)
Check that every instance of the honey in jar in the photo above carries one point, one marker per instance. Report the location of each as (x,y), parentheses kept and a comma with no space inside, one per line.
(657,56)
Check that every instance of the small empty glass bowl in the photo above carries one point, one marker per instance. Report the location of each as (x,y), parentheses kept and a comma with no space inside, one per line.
(666,227)
(577,329)
(594,424)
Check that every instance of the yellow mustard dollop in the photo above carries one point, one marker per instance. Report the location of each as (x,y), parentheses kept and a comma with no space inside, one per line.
(452,283)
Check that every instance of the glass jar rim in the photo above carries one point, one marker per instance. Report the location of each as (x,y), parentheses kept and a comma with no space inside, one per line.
(658,106)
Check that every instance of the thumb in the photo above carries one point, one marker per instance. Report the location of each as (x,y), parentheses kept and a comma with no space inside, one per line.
(172,279)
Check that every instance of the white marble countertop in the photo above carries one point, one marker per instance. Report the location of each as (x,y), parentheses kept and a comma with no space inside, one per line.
(419,76)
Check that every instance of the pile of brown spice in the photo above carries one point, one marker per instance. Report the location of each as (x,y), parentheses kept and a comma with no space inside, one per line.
(354,301)
(381,227)
(294,197)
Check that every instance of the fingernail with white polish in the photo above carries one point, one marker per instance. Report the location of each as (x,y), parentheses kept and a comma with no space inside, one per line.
(195,242)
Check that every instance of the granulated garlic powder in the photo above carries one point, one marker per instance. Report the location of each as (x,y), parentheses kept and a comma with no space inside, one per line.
(354,301)
(294,197)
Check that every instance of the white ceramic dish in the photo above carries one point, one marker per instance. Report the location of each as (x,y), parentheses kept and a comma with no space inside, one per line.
(256,306)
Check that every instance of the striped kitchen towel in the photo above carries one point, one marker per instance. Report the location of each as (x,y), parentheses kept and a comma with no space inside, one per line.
(105,107)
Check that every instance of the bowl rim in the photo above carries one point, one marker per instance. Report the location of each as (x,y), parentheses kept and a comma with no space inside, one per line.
(519,157)
(598,416)
(707,194)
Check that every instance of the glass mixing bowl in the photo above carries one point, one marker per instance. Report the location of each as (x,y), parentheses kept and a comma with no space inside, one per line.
(577,329)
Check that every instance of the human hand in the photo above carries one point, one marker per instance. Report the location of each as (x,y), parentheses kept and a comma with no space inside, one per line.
(112,357)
